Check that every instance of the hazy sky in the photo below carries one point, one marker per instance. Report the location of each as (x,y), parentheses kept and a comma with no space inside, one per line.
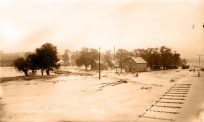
(129,24)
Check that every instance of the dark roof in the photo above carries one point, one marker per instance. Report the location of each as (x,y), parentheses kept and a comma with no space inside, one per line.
(139,60)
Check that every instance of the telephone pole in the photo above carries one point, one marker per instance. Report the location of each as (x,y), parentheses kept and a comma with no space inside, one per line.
(199,58)
(114,53)
(199,65)
(114,57)
(99,64)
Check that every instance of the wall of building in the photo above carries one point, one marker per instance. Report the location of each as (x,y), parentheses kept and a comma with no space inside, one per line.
(131,66)
(141,67)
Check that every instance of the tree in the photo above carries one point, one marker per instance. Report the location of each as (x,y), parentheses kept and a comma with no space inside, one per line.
(166,57)
(122,55)
(169,60)
(47,57)
(152,56)
(33,62)
(159,57)
(155,59)
(108,58)
(86,57)
(176,59)
(79,62)
(139,53)
(74,57)
(21,65)
(93,55)
(66,57)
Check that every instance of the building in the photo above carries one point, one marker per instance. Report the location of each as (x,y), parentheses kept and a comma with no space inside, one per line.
(135,65)
(95,65)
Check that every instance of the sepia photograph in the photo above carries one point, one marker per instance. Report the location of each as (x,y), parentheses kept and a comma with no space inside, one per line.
(101,60)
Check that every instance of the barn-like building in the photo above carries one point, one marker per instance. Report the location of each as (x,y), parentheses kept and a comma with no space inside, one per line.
(135,65)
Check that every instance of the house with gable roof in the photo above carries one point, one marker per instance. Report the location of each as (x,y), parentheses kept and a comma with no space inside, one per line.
(135,65)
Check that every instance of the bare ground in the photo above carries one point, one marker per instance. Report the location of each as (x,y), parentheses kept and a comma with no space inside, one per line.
(76,97)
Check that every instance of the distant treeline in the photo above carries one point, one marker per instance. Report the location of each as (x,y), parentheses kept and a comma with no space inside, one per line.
(6,59)
(157,58)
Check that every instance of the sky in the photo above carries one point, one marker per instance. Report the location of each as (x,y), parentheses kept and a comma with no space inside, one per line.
(129,24)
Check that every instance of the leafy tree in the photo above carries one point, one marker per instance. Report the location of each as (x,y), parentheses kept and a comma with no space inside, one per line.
(21,65)
(84,58)
(108,58)
(66,57)
(176,60)
(122,55)
(159,57)
(139,53)
(79,62)
(93,55)
(33,62)
(163,57)
(74,56)
(166,57)
(44,58)
(155,59)
(47,56)
(152,56)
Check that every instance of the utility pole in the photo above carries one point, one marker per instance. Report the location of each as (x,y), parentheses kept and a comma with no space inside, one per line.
(199,57)
(122,60)
(99,65)
(114,60)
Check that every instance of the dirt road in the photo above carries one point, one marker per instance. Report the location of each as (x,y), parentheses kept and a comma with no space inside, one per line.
(113,98)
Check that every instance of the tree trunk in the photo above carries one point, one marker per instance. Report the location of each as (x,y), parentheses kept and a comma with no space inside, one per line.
(26,72)
(33,72)
(48,72)
(42,71)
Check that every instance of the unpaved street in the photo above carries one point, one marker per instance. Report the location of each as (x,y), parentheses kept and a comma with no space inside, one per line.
(113,98)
